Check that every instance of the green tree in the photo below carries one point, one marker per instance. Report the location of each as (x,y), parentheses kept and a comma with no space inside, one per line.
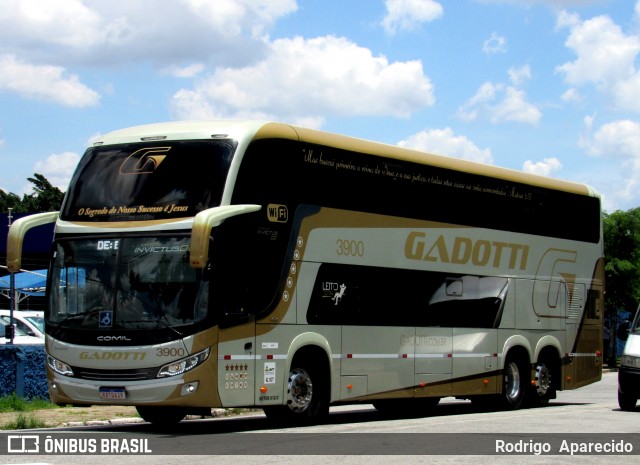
(45,197)
(622,259)
(10,200)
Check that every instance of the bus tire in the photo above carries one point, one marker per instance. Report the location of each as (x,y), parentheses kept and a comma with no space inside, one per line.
(544,381)
(307,395)
(514,383)
(626,402)
(161,416)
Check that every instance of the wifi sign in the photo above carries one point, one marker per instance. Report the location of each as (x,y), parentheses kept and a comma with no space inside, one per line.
(277,213)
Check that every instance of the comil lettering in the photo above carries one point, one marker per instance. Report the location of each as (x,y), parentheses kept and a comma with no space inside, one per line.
(463,250)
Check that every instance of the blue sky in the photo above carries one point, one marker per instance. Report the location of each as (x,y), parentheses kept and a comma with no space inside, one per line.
(546,86)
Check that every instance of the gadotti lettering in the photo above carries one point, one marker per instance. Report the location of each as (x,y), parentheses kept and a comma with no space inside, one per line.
(463,250)
(112,355)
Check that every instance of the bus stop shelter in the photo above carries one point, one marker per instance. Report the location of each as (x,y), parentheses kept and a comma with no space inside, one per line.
(27,284)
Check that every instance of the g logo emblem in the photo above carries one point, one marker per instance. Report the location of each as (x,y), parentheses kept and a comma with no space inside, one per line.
(555,269)
(144,161)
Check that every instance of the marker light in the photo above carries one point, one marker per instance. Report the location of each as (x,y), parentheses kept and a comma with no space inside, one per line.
(180,366)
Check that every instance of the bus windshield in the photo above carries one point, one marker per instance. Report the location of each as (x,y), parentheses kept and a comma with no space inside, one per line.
(125,283)
(148,181)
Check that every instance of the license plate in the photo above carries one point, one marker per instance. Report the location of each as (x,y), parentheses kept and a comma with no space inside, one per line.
(112,393)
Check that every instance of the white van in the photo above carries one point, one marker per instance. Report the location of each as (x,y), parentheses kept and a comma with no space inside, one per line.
(629,372)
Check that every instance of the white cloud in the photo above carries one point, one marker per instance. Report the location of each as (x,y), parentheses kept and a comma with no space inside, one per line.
(405,15)
(604,52)
(309,79)
(494,44)
(588,121)
(444,142)
(566,19)
(49,83)
(188,71)
(515,108)
(180,37)
(500,103)
(619,139)
(58,168)
(520,75)
(68,23)
(546,167)
(95,32)
(605,58)
(617,142)
(571,95)
(234,17)
(626,93)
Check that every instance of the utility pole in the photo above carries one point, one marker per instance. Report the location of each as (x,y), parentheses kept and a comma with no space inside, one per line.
(10,331)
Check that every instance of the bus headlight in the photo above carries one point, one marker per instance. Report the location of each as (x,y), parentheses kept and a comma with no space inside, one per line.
(180,366)
(59,367)
(630,361)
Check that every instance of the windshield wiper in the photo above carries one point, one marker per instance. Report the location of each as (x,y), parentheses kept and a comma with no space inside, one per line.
(154,320)
(77,316)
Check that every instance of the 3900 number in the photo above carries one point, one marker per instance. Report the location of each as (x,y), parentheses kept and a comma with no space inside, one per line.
(350,248)
(170,352)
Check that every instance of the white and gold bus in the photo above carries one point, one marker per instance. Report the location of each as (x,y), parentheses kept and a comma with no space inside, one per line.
(257,264)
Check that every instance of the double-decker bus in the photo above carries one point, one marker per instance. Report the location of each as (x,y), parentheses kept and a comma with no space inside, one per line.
(257,264)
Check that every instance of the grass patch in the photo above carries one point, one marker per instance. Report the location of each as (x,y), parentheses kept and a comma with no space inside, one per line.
(24,422)
(13,403)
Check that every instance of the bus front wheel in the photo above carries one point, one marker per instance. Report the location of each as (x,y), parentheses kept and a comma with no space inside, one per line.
(161,416)
(307,397)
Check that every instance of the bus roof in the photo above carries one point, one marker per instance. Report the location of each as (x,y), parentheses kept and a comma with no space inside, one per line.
(244,131)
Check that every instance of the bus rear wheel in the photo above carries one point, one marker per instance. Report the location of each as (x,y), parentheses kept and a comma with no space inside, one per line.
(514,384)
(544,384)
(161,416)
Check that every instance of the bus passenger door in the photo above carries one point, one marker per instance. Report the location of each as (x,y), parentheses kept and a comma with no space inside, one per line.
(236,364)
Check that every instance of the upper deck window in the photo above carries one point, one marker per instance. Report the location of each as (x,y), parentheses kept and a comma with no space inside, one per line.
(148,181)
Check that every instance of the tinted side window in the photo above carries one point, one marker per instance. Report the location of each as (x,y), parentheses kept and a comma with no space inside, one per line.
(294,173)
(355,295)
